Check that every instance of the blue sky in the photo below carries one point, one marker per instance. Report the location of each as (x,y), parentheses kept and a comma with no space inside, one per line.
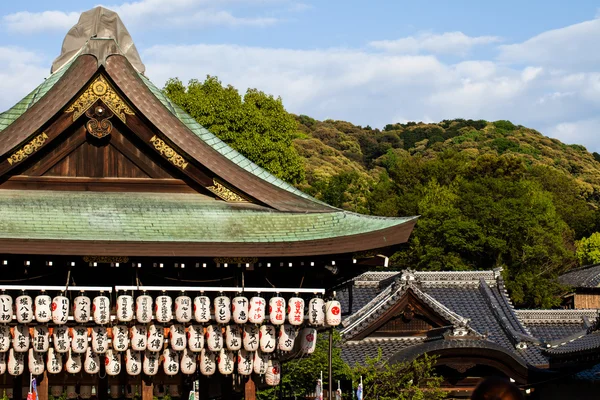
(535,63)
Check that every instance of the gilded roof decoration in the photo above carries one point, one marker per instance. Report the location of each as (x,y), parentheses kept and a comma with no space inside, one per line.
(167,151)
(100,89)
(225,193)
(30,148)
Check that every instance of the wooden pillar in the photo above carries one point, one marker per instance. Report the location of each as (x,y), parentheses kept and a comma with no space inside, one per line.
(226,387)
(17,387)
(250,389)
(43,387)
(204,389)
(102,381)
(147,390)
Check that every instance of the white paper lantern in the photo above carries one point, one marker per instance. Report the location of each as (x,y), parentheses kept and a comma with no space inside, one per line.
(239,309)
(171,362)
(6,308)
(113,362)
(139,337)
(277,310)
(35,362)
(163,308)
(268,338)
(143,309)
(273,375)
(178,339)
(233,337)
(101,310)
(42,309)
(91,364)
(79,340)
(256,314)
(151,361)
(20,340)
(60,310)
(61,339)
(333,313)
(183,309)
(188,362)
(85,392)
(133,362)
(124,308)
(16,362)
(82,309)
(207,362)
(222,309)
(287,337)
(251,337)
(245,362)
(56,391)
(226,362)
(115,391)
(99,339)
(73,364)
(296,311)
(24,309)
(202,309)
(316,311)
(54,362)
(214,338)
(71,392)
(120,337)
(156,338)
(41,338)
(2,363)
(4,338)
(308,340)
(195,337)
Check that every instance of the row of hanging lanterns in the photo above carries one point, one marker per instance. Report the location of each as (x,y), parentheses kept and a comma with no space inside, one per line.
(240,309)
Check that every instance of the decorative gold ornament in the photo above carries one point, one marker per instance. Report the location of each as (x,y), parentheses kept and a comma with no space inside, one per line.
(106,259)
(100,89)
(235,260)
(168,152)
(225,193)
(31,147)
(99,125)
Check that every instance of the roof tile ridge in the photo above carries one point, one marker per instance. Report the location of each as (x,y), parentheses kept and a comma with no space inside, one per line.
(508,303)
(556,316)
(556,343)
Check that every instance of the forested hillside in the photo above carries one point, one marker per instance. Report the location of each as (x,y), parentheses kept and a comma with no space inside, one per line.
(490,194)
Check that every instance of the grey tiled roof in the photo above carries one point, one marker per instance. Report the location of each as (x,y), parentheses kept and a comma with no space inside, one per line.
(549,332)
(586,343)
(357,351)
(585,277)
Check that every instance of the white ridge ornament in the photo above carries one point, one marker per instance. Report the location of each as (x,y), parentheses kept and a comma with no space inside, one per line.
(287,337)
(41,308)
(178,339)
(73,363)
(133,362)
(36,362)
(151,361)
(207,362)
(268,338)
(60,310)
(226,362)
(251,337)
(333,313)
(296,311)
(277,310)
(256,314)
(61,339)
(91,364)
(171,362)
(143,309)
(4,338)
(41,338)
(113,362)
(101,310)
(195,338)
(156,338)
(6,308)
(260,362)
(16,362)
(120,337)
(202,309)
(54,363)
(99,339)
(163,308)
(239,309)
(24,309)
(79,341)
(214,338)
(273,375)
(20,340)
(308,340)
(124,308)
(139,337)
(183,309)
(245,362)
(233,337)
(188,362)
(2,363)
(82,309)
(222,309)
(316,311)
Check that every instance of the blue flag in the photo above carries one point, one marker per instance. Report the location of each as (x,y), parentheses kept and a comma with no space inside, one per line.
(359,394)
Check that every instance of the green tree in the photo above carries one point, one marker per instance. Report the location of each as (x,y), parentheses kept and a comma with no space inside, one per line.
(256,125)
(588,249)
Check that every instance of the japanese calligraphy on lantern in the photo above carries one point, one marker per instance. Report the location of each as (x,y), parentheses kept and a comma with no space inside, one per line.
(163,308)
(245,362)
(202,309)
(91,365)
(177,336)
(124,308)
(188,362)
(139,337)
(113,362)
(183,309)
(6,308)
(60,310)
(120,337)
(143,309)
(267,338)
(36,362)
(101,310)
(195,336)
(226,362)
(54,362)
(316,312)
(16,362)
(260,362)
(20,340)
(133,362)
(296,311)
(171,362)
(239,309)
(214,338)
(41,308)
(257,310)
(207,362)
(277,310)
(222,309)
(251,337)
(24,309)
(61,339)
(233,337)
(73,364)
(81,309)
(156,338)
(79,340)
(4,338)
(99,339)
(287,336)
(41,338)
(150,364)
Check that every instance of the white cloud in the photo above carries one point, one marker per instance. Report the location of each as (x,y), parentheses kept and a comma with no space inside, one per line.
(583,131)
(446,43)
(20,73)
(28,22)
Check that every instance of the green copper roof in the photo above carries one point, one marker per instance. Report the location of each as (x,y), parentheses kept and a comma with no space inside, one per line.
(173,217)
(9,116)
(223,148)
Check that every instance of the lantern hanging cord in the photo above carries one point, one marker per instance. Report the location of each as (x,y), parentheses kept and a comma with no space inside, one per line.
(269,282)
(68,279)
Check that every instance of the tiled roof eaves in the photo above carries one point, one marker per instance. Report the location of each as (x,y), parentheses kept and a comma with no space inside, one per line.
(451,316)
(556,316)
(586,277)
(355,323)
(583,344)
